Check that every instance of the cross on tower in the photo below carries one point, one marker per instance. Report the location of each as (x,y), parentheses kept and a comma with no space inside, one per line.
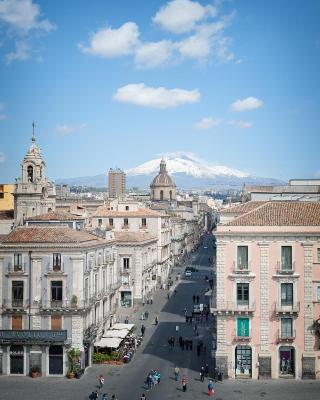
(33,137)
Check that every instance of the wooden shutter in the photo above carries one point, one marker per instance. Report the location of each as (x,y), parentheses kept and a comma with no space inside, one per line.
(17,322)
(243,327)
(56,322)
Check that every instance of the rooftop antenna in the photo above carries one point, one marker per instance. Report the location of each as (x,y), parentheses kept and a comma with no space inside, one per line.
(33,136)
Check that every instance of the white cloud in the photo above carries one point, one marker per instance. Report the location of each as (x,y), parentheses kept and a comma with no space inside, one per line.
(23,15)
(250,103)
(2,114)
(23,21)
(2,157)
(241,124)
(109,43)
(65,129)
(153,54)
(207,123)
(142,95)
(208,40)
(181,16)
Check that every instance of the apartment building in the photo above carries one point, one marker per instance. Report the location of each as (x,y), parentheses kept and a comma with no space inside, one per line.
(267,298)
(117,183)
(58,289)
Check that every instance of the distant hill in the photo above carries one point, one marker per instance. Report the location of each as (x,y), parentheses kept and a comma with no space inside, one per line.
(188,172)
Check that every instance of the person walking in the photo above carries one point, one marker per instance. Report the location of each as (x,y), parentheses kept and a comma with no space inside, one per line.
(197,298)
(143,329)
(194,298)
(184,383)
(180,341)
(156,320)
(101,381)
(206,370)
(210,388)
(104,396)
(176,373)
(143,397)
(202,374)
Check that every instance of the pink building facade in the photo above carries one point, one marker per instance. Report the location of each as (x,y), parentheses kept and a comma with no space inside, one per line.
(268,292)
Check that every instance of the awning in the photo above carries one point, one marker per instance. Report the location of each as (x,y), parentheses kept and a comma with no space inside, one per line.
(208,293)
(116,333)
(112,343)
(128,327)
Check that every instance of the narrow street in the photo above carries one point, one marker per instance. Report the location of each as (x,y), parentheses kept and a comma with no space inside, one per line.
(127,382)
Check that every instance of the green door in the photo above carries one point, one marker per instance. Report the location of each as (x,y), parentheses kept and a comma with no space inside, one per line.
(243,327)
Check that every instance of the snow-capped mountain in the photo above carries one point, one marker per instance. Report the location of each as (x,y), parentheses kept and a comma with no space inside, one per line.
(187,170)
(185,163)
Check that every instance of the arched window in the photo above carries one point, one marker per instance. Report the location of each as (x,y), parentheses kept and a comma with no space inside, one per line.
(170,193)
(161,194)
(30,173)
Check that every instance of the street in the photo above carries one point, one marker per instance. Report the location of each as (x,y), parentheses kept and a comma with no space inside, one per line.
(128,381)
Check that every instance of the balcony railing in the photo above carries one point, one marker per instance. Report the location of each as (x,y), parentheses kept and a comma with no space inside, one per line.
(17,303)
(285,308)
(125,271)
(286,336)
(285,269)
(227,307)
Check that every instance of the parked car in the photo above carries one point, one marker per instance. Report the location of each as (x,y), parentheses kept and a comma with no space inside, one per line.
(188,274)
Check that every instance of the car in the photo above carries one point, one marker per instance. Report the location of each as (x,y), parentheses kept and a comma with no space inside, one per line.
(205,247)
(188,274)
(192,269)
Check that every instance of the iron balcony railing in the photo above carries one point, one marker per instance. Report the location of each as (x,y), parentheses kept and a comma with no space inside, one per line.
(286,336)
(233,307)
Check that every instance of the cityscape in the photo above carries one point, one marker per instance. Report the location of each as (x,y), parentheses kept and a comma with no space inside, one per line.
(147,252)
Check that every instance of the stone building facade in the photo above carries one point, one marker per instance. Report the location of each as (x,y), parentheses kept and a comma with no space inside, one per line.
(58,290)
(268,292)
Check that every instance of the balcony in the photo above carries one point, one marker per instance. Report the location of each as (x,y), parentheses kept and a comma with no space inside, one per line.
(285,269)
(286,336)
(65,305)
(125,271)
(231,308)
(17,303)
(16,269)
(286,308)
(238,336)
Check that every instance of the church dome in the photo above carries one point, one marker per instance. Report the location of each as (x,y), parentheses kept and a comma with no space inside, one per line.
(162,179)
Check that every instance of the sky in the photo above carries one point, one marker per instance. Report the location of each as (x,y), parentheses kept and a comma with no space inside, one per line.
(117,83)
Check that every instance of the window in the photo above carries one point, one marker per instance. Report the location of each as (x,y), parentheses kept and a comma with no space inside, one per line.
(30,173)
(17,293)
(161,194)
(170,194)
(127,208)
(318,255)
(16,322)
(286,294)
(86,288)
(111,221)
(96,288)
(17,262)
(56,261)
(286,327)
(99,222)
(56,291)
(144,222)
(126,263)
(242,257)
(286,258)
(125,279)
(318,293)
(243,327)
(56,322)
(242,294)
(125,222)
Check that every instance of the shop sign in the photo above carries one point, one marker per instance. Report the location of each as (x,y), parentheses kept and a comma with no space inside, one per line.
(33,336)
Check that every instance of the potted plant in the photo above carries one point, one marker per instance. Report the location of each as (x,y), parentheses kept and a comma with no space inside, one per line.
(74,300)
(35,371)
(74,355)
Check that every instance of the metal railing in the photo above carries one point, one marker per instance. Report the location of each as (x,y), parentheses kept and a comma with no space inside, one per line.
(230,306)
(285,307)
(286,336)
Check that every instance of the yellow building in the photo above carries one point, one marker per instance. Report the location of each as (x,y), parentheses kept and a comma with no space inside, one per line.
(6,197)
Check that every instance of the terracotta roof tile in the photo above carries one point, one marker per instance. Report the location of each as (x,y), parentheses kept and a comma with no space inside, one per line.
(48,235)
(103,211)
(284,213)
(133,237)
(242,208)
(55,216)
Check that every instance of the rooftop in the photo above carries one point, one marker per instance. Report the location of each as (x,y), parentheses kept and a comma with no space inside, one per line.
(242,208)
(133,237)
(103,211)
(284,213)
(60,215)
(39,234)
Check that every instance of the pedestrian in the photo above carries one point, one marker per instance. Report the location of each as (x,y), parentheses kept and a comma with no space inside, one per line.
(143,329)
(190,343)
(182,344)
(176,373)
(101,381)
(202,374)
(92,396)
(184,383)
(142,316)
(197,299)
(195,327)
(151,300)
(156,320)
(104,396)
(173,339)
(113,397)
(198,349)
(175,291)
(149,381)
(96,395)
(194,298)
(186,342)
(210,388)
(206,370)
(168,295)
(143,397)
(146,314)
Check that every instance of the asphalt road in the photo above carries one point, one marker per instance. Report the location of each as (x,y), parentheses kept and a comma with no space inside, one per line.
(127,381)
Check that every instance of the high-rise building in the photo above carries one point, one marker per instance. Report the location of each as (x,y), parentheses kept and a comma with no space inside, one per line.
(117,182)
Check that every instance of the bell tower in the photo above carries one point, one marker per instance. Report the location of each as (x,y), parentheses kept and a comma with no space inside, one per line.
(34,194)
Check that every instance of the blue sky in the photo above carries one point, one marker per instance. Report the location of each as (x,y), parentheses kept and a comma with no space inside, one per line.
(117,82)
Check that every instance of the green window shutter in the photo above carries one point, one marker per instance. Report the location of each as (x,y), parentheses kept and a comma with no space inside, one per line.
(243,327)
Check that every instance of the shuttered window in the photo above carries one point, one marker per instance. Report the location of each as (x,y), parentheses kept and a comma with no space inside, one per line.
(55,322)
(243,327)
(17,322)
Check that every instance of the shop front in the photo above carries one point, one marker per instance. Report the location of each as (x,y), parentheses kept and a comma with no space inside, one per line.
(286,362)
(24,350)
(243,361)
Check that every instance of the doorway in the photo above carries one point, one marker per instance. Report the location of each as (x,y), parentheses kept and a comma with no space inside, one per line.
(16,359)
(55,360)
(243,358)
(286,362)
